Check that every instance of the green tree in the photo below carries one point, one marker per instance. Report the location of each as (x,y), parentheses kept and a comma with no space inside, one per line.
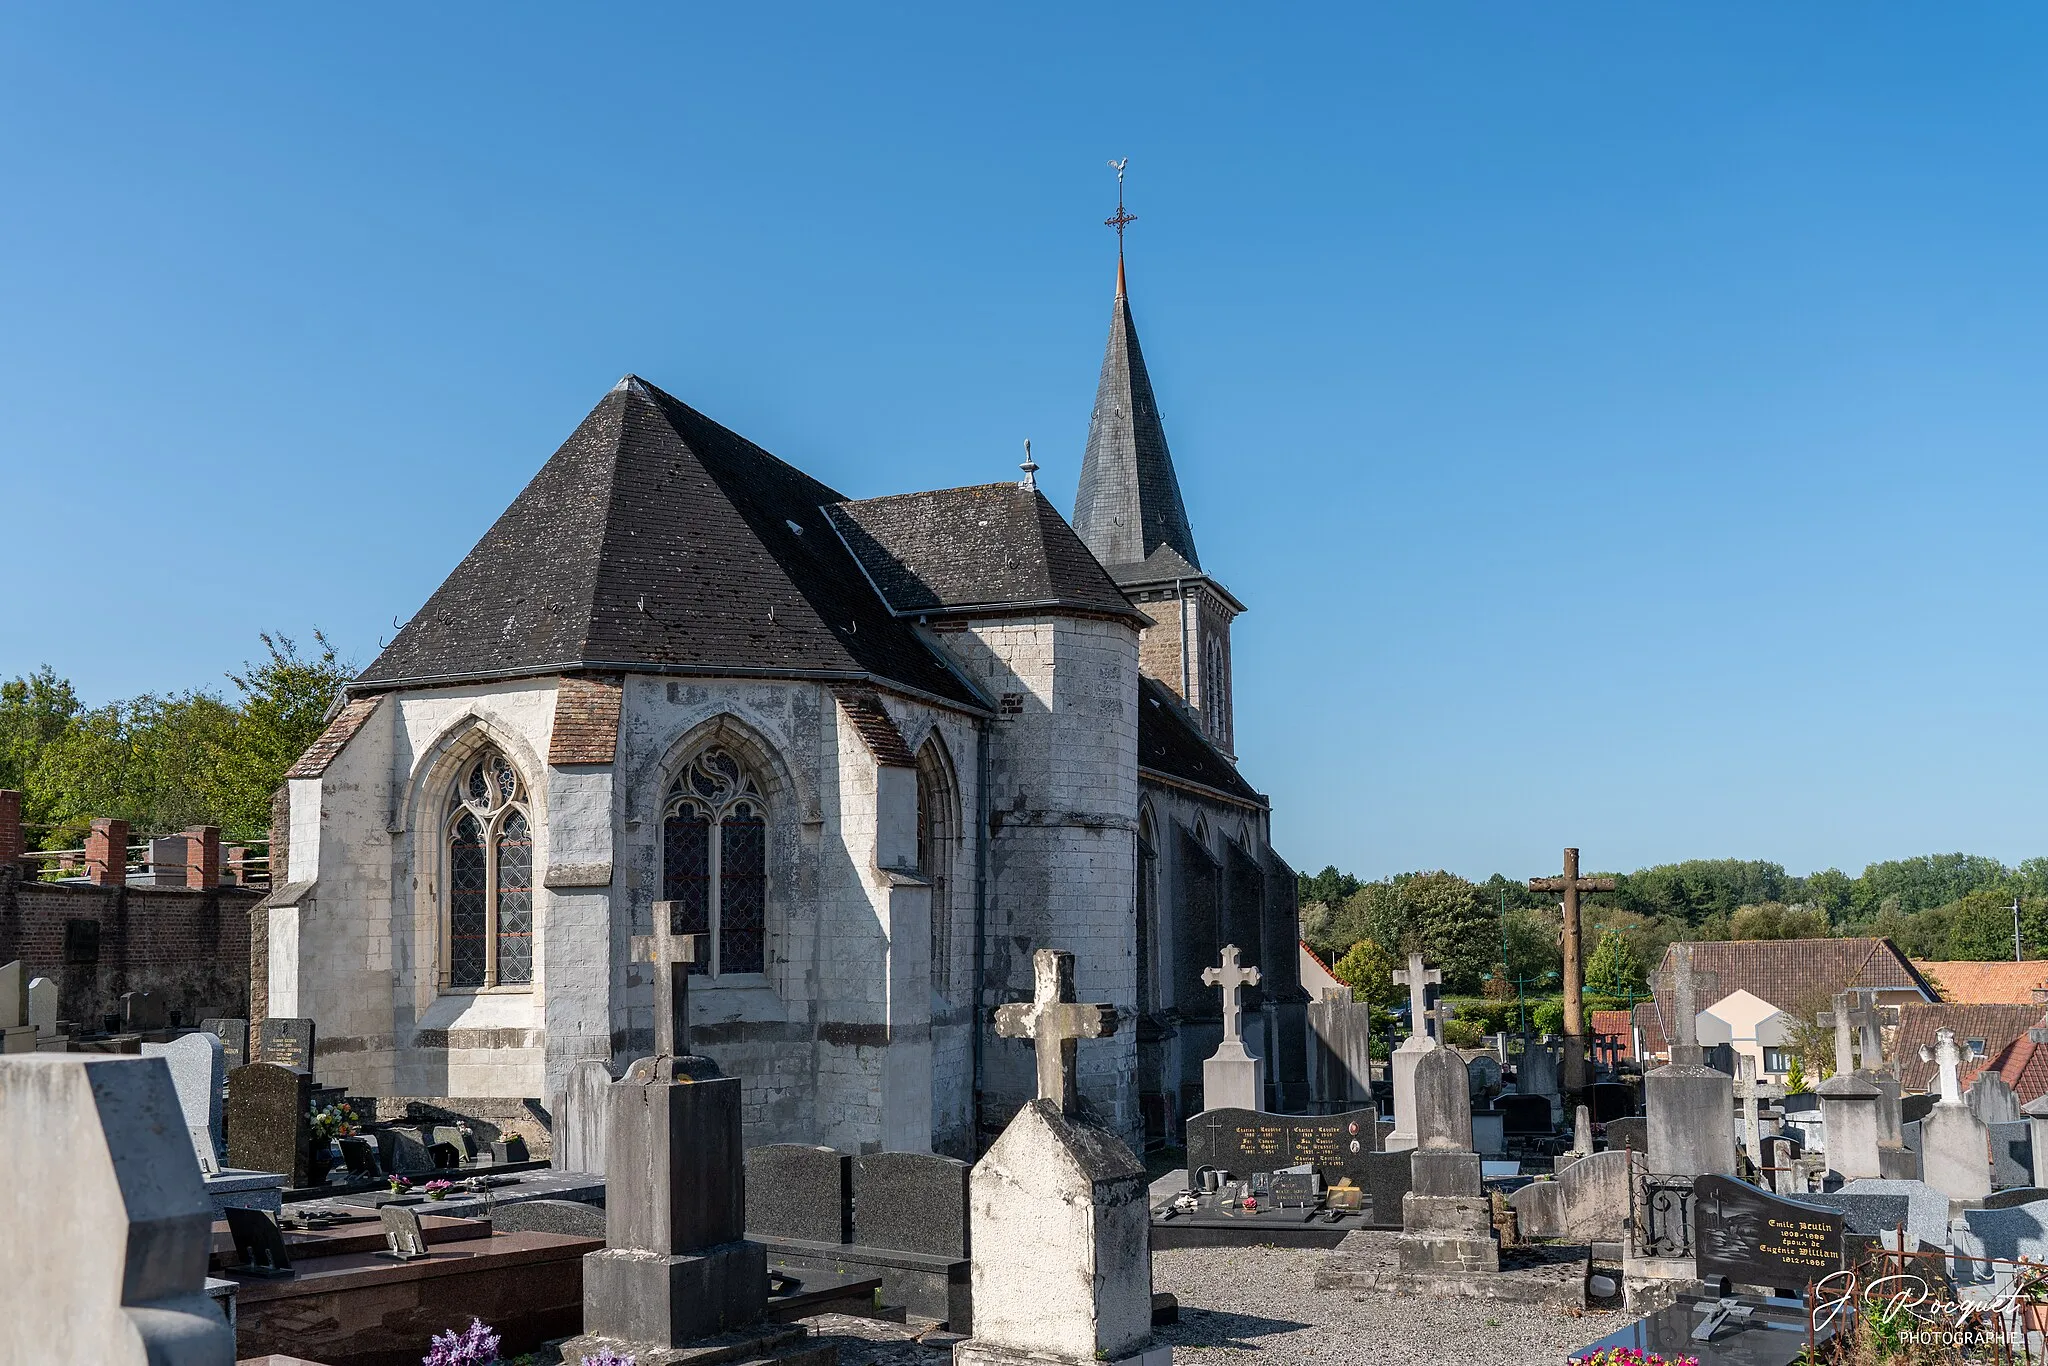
(1368,970)
(1613,969)
(1452,926)
(1330,887)
(1795,1078)
(1776,920)
(285,699)
(34,710)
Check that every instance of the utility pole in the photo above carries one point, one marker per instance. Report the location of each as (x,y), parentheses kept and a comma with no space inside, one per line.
(2017,956)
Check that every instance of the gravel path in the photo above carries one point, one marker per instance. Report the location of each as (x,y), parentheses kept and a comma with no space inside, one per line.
(1258,1305)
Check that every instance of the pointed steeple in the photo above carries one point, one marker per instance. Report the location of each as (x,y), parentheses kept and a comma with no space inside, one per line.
(1129,502)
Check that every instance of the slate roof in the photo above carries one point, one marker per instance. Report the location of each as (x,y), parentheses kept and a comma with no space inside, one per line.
(990,546)
(1170,743)
(1996,1025)
(1789,973)
(1129,502)
(656,540)
(1986,983)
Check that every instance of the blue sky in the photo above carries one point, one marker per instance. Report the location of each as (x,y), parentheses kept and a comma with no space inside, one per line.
(1625,423)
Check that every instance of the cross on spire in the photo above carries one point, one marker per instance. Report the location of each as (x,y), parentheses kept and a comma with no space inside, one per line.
(1123,217)
(1418,980)
(1232,979)
(1053,1022)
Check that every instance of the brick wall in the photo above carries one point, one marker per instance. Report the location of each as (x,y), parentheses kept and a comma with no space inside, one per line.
(97,942)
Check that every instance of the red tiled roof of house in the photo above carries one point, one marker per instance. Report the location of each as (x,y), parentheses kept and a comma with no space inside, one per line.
(1791,974)
(1986,983)
(1997,1025)
(2024,1065)
(1614,1024)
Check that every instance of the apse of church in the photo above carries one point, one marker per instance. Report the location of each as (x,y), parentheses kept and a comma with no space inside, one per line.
(874,751)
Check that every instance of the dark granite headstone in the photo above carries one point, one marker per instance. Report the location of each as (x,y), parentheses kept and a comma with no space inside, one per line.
(1754,1238)
(360,1156)
(1524,1114)
(2013,1196)
(446,1157)
(456,1137)
(1610,1100)
(142,1010)
(1912,1109)
(572,1217)
(911,1202)
(269,1119)
(1866,1213)
(286,1041)
(1632,1132)
(1387,1177)
(402,1151)
(795,1190)
(259,1245)
(234,1040)
(511,1148)
(1245,1141)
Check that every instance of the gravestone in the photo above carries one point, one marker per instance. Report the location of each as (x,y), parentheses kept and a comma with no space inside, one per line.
(2014,1197)
(359,1155)
(17,1033)
(402,1150)
(144,1010)
(1447,1219)
(1955,1145)
(2012,1155)
(2036,1111)
(1443,1103)
(1864,1213)
(1341,1033)
(234,1039)
(1537,1074)
(1387,1179)
(1587,1202)
(1418,979)
(1489,1134)
(1523,1115)
(1993,1100)
(1691,1107)
(199,1074)
(269,1119)
(1926,1207)
(511,1148)
(1610,1100)
(1232,1077)
(446,1157)
(796,1190)
(2012,1234)
(1060,1229)
(580,1118)
(42,1007)
(1632,1132)
(456,1137)
(259,1244)
(1242,1142)
(1485,1077)
(404,1240)
(571,1217)
(99,1174)
(286,1041)
(1751,1237)
(911,1202)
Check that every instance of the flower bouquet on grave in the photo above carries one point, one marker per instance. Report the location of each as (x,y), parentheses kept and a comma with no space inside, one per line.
(335,1121)
(2030,1295)
(1630,1356)
(437,1190)
(475,1345)
(401,1185)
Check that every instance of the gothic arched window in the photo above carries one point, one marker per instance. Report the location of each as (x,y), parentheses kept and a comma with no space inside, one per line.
(714,862)
(490,877)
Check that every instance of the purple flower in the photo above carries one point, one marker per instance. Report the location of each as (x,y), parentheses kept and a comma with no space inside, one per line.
(607,1357)
(475,1345)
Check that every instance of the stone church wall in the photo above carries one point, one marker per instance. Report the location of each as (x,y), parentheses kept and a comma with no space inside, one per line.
(1064,799)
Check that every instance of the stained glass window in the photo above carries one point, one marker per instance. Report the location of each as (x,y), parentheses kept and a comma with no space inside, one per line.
(490,877)
(718,888)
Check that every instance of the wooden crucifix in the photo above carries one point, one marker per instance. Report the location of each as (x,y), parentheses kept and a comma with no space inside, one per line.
(1055,1024)
(1233,979)
(1418,980)
(1569,886)
(672,956)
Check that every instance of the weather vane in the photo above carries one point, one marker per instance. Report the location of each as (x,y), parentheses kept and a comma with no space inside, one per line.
(1123,216)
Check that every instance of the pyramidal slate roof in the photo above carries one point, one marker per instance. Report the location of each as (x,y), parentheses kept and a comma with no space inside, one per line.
(1129,502)
(657,541)
(989,546)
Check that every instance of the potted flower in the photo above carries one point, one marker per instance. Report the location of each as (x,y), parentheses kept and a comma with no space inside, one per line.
(401,1185)
(328,1123)
(437,1190)
(2030,1295)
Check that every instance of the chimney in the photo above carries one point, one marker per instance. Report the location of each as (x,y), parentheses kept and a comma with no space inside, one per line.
(13,840)
(106,853)
(202,858)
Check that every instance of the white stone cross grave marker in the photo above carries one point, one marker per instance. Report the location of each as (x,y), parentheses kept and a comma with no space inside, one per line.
(1418,980)
(1055,1023)
(1233,979)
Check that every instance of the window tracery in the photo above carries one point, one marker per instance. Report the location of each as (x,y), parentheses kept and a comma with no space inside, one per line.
(714,841)
(490,877)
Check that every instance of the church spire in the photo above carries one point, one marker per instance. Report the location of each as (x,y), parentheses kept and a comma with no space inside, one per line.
(1129,503)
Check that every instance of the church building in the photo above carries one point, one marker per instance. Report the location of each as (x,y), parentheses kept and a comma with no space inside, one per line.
(876,751)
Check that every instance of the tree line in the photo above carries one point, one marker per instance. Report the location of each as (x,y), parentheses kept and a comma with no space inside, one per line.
(165,762)
(1497,938)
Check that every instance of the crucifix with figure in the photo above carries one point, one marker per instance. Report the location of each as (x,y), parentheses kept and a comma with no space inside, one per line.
(672,955)
(1055,1024)
(1570,886)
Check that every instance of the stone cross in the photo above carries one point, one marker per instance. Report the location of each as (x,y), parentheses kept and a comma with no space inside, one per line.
(1418,980)
(1052,1021)
(1945,1057)
(1685,1005)
(1845,1040)
(1752,1126)
(672,956)
(1232,979)
(1869,1022)
(1570,885)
